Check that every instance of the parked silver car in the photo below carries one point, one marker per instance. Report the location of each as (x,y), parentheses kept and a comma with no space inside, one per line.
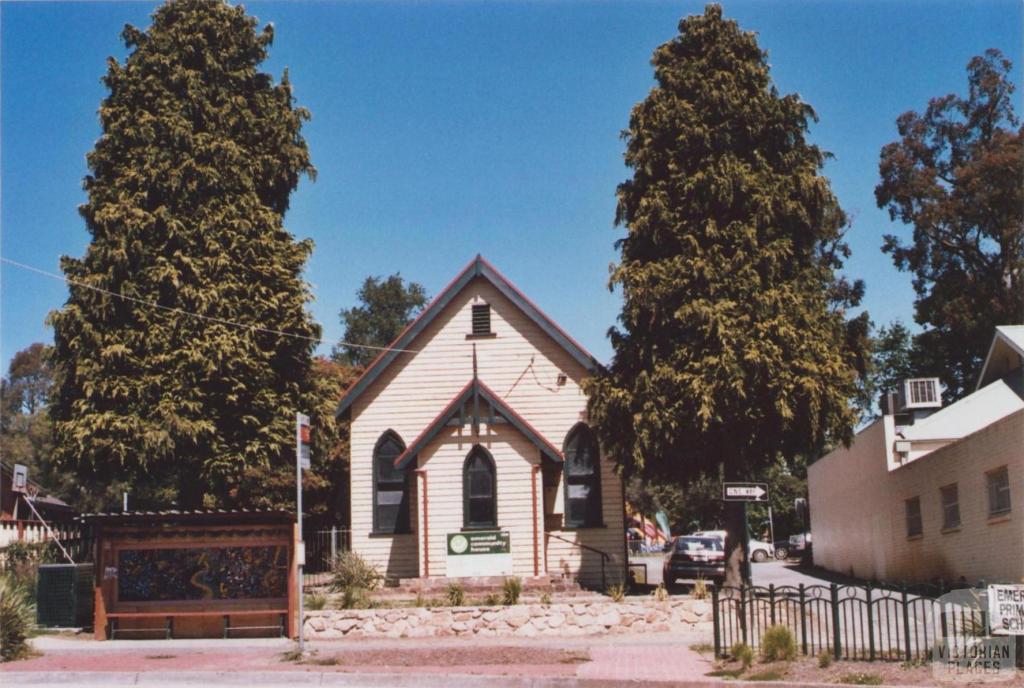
(759,550)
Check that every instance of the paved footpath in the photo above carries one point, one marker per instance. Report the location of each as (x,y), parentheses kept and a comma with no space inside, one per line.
(661,660)
(651,658)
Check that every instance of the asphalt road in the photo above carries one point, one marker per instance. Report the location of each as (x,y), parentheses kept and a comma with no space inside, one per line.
(767,573)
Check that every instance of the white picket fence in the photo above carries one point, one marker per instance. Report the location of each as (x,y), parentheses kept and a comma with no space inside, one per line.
(26,531)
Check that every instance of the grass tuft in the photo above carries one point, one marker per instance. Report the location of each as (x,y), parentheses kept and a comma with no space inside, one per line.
(861,678)
(778,644)
(769,675)
(316,601)
(743,654)
(456,594)
(510,591)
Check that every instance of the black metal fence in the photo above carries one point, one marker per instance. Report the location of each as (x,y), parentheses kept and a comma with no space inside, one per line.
(847,621)
(323,544)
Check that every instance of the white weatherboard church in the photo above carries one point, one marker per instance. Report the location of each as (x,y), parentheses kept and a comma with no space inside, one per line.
(470,449)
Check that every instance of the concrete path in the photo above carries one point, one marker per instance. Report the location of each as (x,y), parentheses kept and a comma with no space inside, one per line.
(614,659)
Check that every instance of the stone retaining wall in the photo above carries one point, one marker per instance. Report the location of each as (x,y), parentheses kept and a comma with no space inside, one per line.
(523,620)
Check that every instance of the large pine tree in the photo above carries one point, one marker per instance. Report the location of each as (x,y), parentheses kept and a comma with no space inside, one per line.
(189,184)
(733,346)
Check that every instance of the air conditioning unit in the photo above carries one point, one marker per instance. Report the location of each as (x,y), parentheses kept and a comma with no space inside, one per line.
(920,393)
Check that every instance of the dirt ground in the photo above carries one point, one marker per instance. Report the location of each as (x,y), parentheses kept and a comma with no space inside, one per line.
(807,670)
(448,657)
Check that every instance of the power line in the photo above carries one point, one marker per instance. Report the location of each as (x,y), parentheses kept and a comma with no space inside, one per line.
(179,311)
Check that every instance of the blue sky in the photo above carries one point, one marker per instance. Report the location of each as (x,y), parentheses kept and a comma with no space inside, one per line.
(441,130)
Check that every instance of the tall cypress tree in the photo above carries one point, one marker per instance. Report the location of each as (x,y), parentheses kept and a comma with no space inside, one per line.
(189,184)
(733,346)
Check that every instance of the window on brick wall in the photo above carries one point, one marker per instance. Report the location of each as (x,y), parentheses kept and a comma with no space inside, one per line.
(950,496)
(998,491)
(913,509)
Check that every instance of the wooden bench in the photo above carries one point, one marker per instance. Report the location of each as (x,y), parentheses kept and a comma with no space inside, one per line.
(168,627)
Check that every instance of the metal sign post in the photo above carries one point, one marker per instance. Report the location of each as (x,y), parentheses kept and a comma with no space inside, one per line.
(744,493)
(301,462)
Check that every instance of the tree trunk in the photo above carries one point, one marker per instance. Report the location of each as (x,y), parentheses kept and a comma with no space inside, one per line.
(737,545)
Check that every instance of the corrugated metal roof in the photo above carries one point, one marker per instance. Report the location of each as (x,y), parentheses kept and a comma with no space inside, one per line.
(191,515)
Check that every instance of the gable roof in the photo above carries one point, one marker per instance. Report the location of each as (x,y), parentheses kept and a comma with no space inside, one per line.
(1007,346)
(478,267)
(468,406)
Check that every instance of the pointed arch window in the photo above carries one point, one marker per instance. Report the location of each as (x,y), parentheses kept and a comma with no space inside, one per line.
(479,490)
(582,479)
(390,486)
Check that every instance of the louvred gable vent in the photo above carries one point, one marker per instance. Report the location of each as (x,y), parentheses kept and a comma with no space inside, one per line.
(482,319)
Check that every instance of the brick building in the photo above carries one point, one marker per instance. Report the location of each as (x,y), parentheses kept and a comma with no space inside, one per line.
(927,493)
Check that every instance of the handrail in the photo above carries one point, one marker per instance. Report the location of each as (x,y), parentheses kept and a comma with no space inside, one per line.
(604,555)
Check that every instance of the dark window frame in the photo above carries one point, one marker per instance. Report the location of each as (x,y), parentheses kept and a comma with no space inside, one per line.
(402,520)
(994,489)
(467,522)
(950,508)
(593,511)
(914,518)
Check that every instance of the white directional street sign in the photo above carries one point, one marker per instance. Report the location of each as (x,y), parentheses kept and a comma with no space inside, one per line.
(745,492)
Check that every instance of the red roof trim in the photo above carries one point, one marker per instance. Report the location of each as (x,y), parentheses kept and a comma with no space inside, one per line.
(478,267)
(517,421)
(539,310)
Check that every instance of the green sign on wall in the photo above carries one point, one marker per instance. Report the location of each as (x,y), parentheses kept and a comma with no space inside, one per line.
(479,542)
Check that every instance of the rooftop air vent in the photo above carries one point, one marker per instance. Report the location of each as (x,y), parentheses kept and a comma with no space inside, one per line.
(920,393)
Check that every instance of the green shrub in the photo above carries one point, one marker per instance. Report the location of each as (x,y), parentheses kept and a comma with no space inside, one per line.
(699,591)
(861,678)
(742,653)
(492,600)
(545,599)
(778,644)
(355,598)
(769,675)
(18,553)
(316,601)
(660,593)
(456,594)
(510,591)
(617,593)
(17,616)
(351,571)
(824,659)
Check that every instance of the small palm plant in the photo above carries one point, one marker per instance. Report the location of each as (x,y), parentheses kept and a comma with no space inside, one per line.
(17,615)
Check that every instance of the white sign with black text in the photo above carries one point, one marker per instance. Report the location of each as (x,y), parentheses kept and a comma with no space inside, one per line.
(1006,609)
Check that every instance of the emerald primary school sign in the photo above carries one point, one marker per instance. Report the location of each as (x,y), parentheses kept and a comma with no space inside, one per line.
(479,553)
(1006,609)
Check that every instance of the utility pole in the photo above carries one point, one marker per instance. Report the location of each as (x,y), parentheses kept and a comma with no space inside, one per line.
(301,462)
